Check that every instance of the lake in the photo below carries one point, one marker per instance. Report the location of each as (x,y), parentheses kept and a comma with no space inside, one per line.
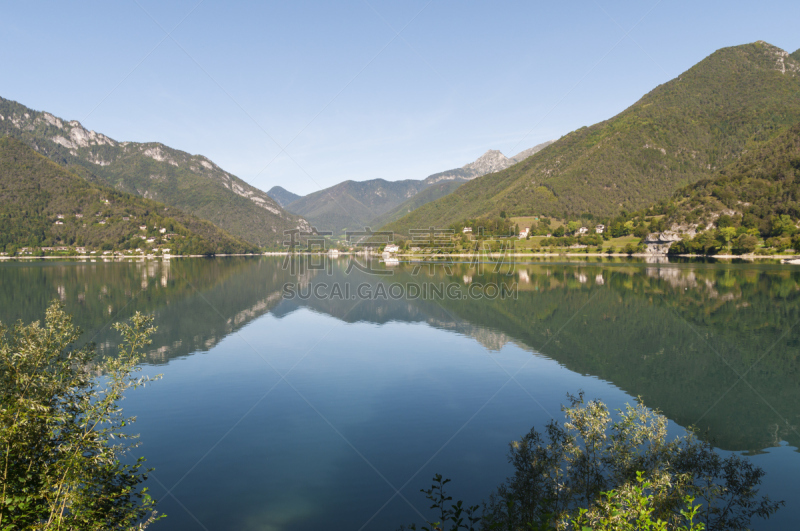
(290,400)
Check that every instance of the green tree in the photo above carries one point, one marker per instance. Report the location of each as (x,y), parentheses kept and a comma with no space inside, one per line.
(62,432)
(641,231)
(783,225)
(745,244)
(727,233)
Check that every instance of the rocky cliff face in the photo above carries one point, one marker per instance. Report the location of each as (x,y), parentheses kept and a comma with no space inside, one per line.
(489,162)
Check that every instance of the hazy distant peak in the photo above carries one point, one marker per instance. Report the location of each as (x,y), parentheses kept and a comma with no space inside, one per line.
(282,196)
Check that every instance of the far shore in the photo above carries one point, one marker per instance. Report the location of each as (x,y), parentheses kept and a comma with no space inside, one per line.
(790,259)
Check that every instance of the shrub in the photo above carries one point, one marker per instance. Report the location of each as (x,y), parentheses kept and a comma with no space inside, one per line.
(61,431)
(593,473)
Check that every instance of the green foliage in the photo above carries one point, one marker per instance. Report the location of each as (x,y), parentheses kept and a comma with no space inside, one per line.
(758,194)
(63,436)
(630,249)
(744,244)
(34,192)
(679,133)
(631,508)
(706,243)
(596,473)
(487,226)
(568,241)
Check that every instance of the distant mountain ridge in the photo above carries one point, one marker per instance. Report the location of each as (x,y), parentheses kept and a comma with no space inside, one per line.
(192,183)
(282,196)
(352,205)
(680,132)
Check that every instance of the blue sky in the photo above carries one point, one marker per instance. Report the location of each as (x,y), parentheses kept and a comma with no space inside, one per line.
(307,94)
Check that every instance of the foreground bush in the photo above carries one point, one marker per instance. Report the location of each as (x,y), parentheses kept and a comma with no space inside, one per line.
(592,473)
(62,442)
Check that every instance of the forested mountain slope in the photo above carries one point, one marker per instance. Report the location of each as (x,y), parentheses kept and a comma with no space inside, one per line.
(354,205)
(761,186)
(191,183)
(282,196)
(43,204)
(679,133)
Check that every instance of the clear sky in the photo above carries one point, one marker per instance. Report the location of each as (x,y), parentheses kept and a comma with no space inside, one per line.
(307,94)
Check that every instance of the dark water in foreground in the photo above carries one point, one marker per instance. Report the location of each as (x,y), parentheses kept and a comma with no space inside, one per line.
(322,413)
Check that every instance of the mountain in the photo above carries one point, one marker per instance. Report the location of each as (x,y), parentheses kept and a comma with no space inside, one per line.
(431,193)
(763,184)
(679,133)
(43,204)
(490,162)
(796,55)
(351,205)
(191,183)
(354,205)
(282,196)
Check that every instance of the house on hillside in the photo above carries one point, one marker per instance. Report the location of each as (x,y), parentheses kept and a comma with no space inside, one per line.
(600,229)
(467,230)
(524,233)
(391,249)
(582,230)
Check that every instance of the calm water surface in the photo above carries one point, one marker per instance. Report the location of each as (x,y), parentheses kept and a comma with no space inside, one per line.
(318,413)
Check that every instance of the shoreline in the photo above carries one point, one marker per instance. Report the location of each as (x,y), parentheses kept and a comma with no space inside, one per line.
(789,259)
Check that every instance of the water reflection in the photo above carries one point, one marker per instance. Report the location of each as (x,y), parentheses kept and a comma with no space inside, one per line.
(711,345)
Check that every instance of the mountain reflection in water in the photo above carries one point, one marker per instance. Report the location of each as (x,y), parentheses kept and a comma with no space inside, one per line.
(678,335)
